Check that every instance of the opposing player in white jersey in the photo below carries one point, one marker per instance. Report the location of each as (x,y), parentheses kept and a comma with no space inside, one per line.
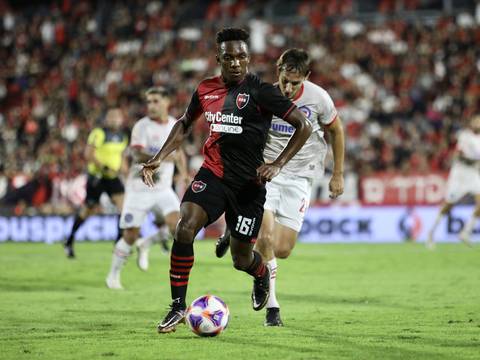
(463,179)
(288,194)
(148,136)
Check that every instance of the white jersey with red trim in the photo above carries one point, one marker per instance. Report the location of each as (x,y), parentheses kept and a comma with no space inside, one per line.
(468,145)
(149,136)
(319,109)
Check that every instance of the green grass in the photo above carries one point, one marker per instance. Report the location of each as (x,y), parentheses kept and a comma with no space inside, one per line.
(338,302)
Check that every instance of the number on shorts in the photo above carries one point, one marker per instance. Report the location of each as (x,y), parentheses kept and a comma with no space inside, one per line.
(243,225)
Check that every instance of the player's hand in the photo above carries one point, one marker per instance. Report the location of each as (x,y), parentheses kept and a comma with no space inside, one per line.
(336,185)
(267,172)
(148,171)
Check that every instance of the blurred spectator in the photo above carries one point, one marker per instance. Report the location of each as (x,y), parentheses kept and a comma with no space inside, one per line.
(402,87)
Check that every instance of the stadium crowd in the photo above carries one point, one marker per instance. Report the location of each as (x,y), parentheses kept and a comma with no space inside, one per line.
(402,88)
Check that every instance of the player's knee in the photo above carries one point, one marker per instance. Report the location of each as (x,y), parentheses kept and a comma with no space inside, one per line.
(186,231)
(129,235)
(283,251)
(241,262)
(265,240)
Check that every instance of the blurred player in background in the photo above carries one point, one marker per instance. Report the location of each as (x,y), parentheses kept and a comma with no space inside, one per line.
(148,136)
(288,194)
(104,154)
(239,108)
(463,179)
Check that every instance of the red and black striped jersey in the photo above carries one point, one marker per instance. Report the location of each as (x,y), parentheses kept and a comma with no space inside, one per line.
(239,116)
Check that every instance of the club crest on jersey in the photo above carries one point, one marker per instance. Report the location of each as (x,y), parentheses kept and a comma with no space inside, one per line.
(306,110)
(198,186)
(242,100)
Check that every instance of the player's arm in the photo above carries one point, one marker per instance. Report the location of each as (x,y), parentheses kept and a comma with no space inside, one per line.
(125,165)
(181,164)
(337,139)
(90,155)
(175,139)
(303,130)
(140,156)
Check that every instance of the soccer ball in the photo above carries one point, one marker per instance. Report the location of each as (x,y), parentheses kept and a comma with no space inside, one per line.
(207,315)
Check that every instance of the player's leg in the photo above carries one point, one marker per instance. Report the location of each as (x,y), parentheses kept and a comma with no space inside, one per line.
(250,261)
(192,219)
(203,203)
(114,189)
(135,208)
(223,243)
(293,194)
(244,217)
(166,215)
(468,228)
(94,190)
(456,190)
(285,239)
(121,252)
(444,210)
(265,246)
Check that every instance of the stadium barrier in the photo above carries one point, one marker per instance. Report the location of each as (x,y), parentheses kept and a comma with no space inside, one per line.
(322,224)
(399,189)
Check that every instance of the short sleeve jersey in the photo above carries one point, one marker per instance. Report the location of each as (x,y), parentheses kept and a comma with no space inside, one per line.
(109,146)
(320,110)
(149,136)
(239,117)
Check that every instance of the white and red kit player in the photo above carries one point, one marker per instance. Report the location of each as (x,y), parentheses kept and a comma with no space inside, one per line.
(463,179)
(148,136)
(288,194)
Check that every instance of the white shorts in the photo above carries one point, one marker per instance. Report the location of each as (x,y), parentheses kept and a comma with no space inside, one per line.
(288,197)
(462,180)
(137,204)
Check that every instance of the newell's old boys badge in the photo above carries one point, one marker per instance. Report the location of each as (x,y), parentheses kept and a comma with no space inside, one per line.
(198,186)
(242,100)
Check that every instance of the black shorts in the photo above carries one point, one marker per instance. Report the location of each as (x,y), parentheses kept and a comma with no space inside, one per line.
(243,208)
(96,186)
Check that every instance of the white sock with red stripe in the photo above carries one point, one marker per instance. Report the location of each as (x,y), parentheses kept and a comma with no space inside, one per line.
(121,252)
(272,299)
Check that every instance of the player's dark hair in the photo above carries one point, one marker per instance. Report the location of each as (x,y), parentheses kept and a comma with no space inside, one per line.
(232,34)
(294,60)
(157,90)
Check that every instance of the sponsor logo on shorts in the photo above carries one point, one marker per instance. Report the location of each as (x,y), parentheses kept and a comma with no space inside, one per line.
(128,217)
(242,100)
(198,186)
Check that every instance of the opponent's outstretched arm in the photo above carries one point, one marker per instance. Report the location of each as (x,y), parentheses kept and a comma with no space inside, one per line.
(303,130)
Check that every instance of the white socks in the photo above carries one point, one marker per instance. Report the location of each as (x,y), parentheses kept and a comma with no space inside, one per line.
(272,299)
(119,258)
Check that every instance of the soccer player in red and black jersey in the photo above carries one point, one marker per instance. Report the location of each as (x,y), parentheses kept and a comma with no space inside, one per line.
(239,107)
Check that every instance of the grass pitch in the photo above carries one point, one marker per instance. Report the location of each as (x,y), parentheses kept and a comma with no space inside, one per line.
(338,302)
